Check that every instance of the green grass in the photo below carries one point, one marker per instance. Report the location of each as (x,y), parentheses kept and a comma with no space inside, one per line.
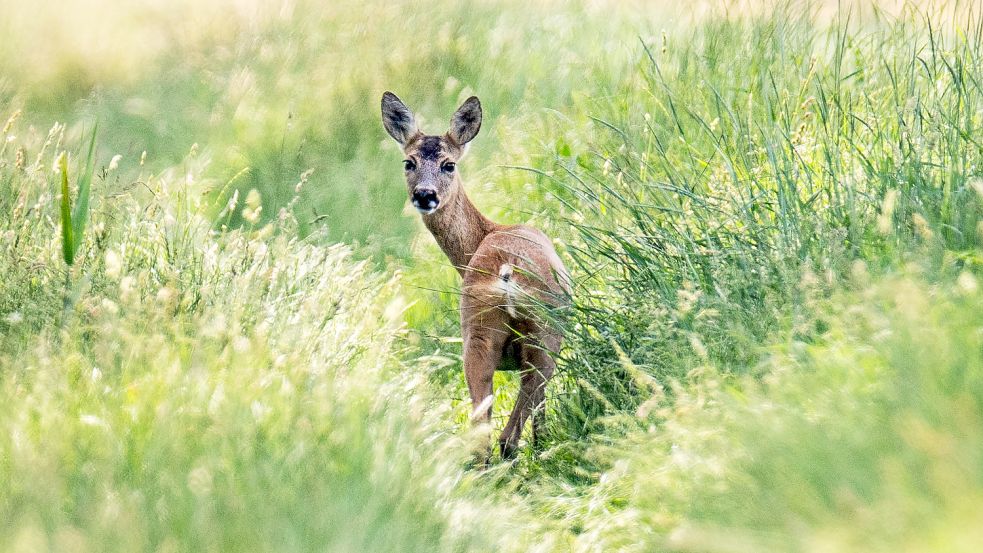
(773,213)
(271,94)
(210,391)
(729,167)
(866,441)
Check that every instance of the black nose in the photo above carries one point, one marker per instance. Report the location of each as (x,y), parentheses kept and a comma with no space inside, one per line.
(425,199)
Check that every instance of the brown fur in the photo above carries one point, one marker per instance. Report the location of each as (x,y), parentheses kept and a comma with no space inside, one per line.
(504,270)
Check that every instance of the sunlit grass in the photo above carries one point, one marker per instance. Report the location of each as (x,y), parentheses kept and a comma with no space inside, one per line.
(208,390)
(744,153)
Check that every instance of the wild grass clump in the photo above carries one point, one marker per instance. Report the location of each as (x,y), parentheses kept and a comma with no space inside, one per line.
(208,391)
(868,440)
(742,155)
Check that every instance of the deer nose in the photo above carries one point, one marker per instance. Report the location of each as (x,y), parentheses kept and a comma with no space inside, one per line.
(425,199)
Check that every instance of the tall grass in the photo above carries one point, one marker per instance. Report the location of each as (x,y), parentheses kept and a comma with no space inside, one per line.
(745,368)
(212,391)
(867,440)
(743,154)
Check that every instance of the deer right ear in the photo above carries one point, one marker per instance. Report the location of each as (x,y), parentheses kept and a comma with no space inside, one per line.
(397,118)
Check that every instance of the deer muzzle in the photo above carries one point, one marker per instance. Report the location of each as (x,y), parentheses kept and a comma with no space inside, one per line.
(425,200)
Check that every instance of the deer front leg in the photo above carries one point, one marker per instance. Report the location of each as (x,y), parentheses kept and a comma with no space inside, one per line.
(484,333)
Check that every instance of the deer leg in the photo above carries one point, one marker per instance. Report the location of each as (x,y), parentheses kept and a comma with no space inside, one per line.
(484,337)
(509,440)
(537,367)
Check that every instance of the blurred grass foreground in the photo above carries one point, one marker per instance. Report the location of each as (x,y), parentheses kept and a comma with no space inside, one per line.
(222,330)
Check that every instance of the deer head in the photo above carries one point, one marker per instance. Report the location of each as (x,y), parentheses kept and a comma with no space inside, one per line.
(430,160)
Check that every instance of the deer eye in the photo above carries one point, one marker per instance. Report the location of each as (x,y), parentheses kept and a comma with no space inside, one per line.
(408,164)
(448,167)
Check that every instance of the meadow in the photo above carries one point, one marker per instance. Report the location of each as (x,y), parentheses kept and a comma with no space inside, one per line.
(223,328)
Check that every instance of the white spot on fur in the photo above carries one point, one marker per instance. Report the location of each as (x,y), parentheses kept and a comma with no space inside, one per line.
(509,287)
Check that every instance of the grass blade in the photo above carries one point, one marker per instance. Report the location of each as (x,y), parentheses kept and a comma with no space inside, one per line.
(67,234)
(80,215)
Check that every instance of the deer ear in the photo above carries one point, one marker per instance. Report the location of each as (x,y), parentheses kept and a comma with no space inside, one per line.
(466,121)
(397,118)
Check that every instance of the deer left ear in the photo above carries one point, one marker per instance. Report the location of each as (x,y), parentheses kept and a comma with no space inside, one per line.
(466,122)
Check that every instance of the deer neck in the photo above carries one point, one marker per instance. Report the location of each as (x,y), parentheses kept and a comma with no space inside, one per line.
(459,229)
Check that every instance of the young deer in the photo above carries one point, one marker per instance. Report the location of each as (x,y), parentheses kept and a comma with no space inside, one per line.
(500,265)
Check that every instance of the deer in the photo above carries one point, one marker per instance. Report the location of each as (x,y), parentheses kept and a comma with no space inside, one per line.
(508,272)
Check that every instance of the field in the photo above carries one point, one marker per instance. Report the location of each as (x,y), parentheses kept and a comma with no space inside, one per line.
(223,328)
